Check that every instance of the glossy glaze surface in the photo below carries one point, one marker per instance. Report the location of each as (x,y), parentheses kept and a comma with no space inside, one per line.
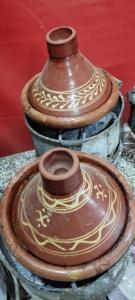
(56,272)
(67,215)
(69,84)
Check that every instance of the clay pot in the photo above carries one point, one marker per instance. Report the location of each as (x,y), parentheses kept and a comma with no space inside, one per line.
(77,209)
(70,91)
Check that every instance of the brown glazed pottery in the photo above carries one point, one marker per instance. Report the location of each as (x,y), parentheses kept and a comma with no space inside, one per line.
(70,91)
(68,216)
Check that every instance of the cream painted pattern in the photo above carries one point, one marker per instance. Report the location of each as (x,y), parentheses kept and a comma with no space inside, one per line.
(80,97)
(43,218)
(67,204)
(100,192)
(90,241)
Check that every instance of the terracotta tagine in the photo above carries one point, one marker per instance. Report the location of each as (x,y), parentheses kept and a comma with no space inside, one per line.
(68,216)
(70,91)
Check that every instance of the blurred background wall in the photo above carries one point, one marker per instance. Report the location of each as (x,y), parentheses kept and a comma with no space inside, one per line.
(106,35)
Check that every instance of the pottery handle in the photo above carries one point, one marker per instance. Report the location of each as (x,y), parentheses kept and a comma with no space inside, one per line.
(72,143)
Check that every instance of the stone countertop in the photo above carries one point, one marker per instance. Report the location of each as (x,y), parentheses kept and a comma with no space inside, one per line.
(9,165)
(125,163)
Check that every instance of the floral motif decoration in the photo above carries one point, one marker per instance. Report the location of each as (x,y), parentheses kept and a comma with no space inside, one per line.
(80,97)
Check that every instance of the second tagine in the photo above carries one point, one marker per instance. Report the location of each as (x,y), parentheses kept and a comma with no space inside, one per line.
(71,211)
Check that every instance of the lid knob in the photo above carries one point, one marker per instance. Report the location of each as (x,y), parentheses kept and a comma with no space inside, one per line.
(61,42)
(60,171)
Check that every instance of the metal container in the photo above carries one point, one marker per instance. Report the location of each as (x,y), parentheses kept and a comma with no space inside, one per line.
(104,143)
(131,100)
(97,288)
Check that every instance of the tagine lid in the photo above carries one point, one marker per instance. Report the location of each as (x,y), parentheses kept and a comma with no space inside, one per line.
(69,212)
(70,89)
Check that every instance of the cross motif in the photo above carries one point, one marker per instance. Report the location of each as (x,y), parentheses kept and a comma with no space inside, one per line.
(43,218)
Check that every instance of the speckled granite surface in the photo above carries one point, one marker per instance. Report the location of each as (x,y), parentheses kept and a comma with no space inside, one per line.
(9,165)
(126,164)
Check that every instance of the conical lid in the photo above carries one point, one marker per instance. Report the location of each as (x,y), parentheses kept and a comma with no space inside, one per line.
(70,89)
(71,211)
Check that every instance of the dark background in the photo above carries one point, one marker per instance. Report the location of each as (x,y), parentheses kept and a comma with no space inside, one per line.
(106,35)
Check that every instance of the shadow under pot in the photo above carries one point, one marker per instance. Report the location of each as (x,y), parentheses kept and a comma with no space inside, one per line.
(68,216)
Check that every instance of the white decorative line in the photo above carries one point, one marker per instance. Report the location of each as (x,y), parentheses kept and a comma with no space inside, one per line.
(83,96)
